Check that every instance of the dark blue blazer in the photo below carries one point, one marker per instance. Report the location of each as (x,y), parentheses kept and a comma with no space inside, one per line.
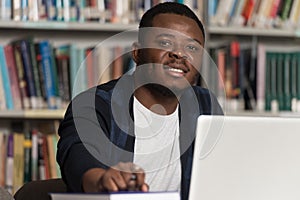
(98,130)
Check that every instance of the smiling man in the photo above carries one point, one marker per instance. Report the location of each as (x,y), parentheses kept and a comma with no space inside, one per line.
(137,132)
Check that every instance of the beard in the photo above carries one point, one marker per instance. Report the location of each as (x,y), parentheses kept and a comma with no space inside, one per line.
(162,90)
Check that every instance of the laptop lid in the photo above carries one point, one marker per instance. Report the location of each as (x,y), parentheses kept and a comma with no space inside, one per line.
(246,158)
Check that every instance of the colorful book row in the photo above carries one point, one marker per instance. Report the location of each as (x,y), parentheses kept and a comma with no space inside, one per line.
(283,14)
(26,156)
(38,75)
(261,78)
(112,11)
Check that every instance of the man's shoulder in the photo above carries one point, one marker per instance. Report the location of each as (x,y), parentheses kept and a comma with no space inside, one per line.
(201,91)
(112,84)
(108,86)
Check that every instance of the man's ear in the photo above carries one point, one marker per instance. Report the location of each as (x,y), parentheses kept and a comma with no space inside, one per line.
(136,51)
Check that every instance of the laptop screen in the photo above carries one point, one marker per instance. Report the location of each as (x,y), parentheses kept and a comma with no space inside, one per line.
(246,158)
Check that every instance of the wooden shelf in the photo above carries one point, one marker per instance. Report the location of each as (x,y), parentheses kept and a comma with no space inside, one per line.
(32,114)
(249,31)
(67,26)
(264,114)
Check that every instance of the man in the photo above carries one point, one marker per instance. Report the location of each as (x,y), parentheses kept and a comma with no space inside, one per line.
(137,132)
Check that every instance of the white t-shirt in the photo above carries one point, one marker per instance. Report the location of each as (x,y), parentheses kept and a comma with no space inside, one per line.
(156,148)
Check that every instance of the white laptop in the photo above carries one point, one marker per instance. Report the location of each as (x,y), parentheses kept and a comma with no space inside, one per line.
(246,158)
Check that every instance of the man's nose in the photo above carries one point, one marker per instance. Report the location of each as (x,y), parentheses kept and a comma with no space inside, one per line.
(178,53)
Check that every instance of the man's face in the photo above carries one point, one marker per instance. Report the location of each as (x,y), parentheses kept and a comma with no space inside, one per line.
(170,53)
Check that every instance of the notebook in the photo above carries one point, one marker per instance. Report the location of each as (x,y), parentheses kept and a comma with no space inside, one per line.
(246,158)
(117,196)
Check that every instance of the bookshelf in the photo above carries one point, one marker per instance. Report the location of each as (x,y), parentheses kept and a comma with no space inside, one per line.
(261,28)
(33,114)
(90,33)
(250,31)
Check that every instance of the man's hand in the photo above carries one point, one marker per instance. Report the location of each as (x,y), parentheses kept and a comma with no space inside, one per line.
(122,177)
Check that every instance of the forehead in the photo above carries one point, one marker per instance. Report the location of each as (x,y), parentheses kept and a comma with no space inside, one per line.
(179,24)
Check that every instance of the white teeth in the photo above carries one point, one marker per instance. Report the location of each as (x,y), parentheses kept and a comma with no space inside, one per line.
(176,70)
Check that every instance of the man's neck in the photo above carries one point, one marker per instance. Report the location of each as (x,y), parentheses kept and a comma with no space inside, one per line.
(158,101)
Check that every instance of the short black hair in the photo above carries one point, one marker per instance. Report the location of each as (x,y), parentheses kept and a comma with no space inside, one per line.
(172,8)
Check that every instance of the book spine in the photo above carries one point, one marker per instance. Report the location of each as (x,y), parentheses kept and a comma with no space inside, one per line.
(90,67)
(2,92)
(286,9)
(6,80)
(36,77)
(16,10)
(293,82)
(5,10)
(46,59)
(298,81)
(34,155)
(28,72)
(41,75)
(18,161)
(248,10)
(21,76)
(41,158)
(279,83)
(270,66)
(287,97)
(117,69)
(27,156)
(51,156)
(46,157)
(3,146)
(33,10)
(13,77)
(24,10)
(261,61)
(63,79)
(9,164)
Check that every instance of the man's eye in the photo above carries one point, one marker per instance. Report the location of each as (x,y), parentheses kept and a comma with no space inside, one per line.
(165,43)
(192,48)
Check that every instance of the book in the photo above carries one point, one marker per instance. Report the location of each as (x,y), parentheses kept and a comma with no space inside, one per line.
(237,19)
(42,85)
(34,154)
(90,67)
(3,154)
(63,74)
(45,150)
(48,73)
(51,155)
(5,10)
(118,196)
(9,175)
(21,75)
(18,154)
(260,93)
(80,82)
(223,12)
(5,80)
(246,64)
(248,10)
(41,158)
(27,156)
(286,87)
(117,64)
(2,92)
(16,10)
(28,71)
(36,76)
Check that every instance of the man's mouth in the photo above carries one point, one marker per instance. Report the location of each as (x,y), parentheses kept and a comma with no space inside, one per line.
(174,71)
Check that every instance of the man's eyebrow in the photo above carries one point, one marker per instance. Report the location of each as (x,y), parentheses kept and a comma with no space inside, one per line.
(195,40)
(165,35)
(170,35)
